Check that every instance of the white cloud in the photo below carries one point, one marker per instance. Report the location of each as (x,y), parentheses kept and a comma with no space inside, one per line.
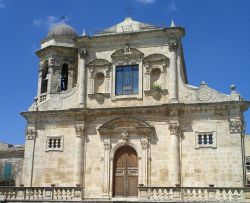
(2,4)
(47,22)
(146,1)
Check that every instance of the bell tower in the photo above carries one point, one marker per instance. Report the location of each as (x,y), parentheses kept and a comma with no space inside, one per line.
(58,62)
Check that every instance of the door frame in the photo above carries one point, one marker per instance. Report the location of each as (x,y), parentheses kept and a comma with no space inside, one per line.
(137,160)
(112,154)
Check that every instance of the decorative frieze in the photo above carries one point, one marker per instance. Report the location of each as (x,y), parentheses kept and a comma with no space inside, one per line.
(174,128)
(236,126)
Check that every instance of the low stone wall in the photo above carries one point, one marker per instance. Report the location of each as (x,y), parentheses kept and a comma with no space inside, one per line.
(41,193)
(194,194)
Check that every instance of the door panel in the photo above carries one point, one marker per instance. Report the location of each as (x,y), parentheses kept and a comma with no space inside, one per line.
(125,172)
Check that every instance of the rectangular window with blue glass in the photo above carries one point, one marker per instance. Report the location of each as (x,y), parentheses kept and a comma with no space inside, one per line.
(126,80)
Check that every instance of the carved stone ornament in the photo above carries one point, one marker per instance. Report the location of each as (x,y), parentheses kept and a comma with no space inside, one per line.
(174,128)
(125,136)
(173,46)
(236,126)
(83,52)
(144,144)
(80,130)
(205,93)
(107,145)
(127,49)
(56,103)
(30,133)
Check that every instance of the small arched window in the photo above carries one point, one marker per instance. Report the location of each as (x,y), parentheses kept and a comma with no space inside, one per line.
(44,81)
(64,77)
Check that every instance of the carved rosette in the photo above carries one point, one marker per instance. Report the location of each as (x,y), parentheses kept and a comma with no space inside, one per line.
(205,93)
(80,130)
(174,128)
(30,133)
(236,126)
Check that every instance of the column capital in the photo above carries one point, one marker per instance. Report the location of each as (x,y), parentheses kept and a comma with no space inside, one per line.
(107,145)
(173,47)
(236,126)
(175,128)
(30,133)
(82,52)
(80,130)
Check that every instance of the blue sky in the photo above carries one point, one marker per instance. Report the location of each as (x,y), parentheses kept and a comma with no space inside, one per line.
(216,45)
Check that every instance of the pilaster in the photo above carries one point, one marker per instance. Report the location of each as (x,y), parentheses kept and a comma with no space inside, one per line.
(79,154)
(82,54)
(173,72)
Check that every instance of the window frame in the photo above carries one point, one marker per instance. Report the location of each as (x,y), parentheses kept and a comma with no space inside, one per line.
(54,137)
(207,144)
(134,68)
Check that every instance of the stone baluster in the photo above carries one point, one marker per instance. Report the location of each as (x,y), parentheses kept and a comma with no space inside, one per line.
(174,153)
(81,76)
(173,73)
(79,154)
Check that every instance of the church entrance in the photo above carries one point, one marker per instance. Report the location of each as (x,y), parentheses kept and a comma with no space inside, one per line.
(125,174)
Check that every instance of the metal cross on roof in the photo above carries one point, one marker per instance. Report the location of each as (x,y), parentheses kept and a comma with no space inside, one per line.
(129,9)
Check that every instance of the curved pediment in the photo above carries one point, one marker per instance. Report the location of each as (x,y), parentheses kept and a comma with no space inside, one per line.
(98,62)
(125,124)
(127,51)
(155,57)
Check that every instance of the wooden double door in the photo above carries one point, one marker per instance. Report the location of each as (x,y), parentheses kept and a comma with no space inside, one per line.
(125,174)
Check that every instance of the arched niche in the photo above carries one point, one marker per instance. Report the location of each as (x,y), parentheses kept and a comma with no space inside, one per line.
(155,69)
(99,79)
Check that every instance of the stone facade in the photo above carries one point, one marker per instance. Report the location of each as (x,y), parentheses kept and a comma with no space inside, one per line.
(11,164)
(183,135)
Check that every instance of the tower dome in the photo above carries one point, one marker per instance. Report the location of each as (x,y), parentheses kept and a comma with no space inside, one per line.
(62,29)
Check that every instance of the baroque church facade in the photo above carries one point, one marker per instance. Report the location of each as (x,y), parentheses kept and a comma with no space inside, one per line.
(115,115)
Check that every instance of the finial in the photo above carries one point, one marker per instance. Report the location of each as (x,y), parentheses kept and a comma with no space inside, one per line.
(203,83)
(233,89)
(172,24)
(84,33)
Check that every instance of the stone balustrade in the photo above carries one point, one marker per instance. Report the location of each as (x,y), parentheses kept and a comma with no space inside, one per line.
(194,194)
(41,193)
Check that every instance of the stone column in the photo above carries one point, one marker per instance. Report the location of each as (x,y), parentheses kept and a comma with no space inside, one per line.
(174,153)
(107,79)
(79,154)
(147,77)
(173,73)
(106,170)
(81,76)
(27,176)
(144,162)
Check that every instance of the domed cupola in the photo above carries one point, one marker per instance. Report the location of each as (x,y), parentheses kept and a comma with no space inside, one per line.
(62,29)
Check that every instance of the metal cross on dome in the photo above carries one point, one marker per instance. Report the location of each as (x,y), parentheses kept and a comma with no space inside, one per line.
(129,9)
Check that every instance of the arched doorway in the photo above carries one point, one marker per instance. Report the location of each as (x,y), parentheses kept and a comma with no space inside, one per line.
(125,173)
